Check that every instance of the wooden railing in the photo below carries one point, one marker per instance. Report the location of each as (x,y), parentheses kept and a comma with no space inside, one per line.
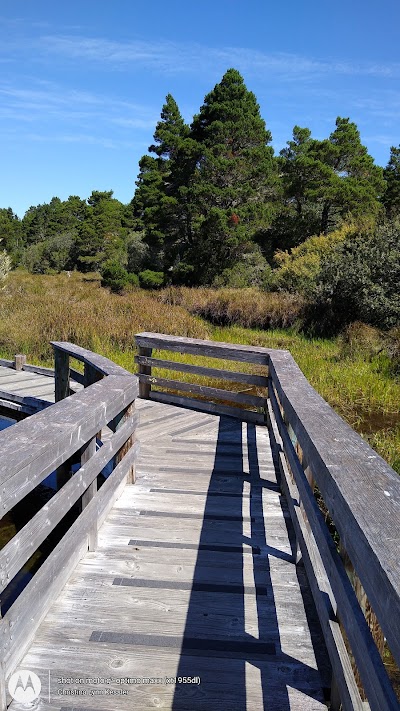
(146,342)
(357,590)
(41,444)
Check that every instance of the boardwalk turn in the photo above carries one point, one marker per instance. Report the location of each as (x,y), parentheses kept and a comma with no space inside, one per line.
(193,577)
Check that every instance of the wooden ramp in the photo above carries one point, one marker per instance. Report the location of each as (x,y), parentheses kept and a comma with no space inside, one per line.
(193,580)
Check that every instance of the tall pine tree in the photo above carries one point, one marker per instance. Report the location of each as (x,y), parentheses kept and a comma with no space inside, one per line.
(156,204)
(391,173)
(234,181)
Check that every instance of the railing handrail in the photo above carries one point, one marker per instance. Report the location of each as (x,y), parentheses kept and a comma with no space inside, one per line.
(103,365)
(42,444)
(356,484)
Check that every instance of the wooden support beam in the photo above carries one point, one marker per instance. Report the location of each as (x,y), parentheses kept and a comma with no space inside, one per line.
(61,375)
(144,388)
(19,361)
(87,453)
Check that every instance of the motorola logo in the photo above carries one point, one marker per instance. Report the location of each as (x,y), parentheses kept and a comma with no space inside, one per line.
(24,686)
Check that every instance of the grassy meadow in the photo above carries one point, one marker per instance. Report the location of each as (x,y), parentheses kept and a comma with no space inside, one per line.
(352,374)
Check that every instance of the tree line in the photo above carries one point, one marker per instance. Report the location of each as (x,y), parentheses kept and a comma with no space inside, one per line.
(213,203)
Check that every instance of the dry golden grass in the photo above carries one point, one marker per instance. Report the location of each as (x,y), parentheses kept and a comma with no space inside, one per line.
(36,309)
(250,308)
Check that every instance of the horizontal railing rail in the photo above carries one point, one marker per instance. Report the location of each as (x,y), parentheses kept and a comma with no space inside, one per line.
(33,449)
(355,579)
(147,342)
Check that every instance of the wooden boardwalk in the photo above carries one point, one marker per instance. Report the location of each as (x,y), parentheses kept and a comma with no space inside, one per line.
(193,578)
(25,385)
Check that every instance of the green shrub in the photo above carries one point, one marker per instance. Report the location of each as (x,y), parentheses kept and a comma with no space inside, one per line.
(132,280)
(51,256)
(252,270)
(359,281)
(151,280)
(297,270)
(114,276)
(360,340)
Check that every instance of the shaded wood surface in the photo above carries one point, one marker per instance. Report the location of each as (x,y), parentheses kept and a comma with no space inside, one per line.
(193,577)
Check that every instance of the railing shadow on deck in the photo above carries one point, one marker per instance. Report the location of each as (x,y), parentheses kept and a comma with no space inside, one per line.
(239,635)
(355,578)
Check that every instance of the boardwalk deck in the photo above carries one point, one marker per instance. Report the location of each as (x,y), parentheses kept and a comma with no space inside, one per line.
(25,384)
(193,578)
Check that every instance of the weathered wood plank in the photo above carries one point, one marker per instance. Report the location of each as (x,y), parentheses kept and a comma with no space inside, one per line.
(100,363)
(247,378)
(19,361)
(26,400)
(23,618)
(359,488)
(37,447)
(61,374)
(212,349)
(145,369)
(319,583)
(205,391)
(214,408)
(20,548)
(369,663)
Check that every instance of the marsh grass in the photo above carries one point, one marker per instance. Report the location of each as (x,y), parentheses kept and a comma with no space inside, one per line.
(355,379)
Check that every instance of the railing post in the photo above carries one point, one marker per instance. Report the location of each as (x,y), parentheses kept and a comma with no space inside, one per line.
(144,388)
(19,361)
(86,453)
(115,425)
(61,391)
(91,375)
(61,374)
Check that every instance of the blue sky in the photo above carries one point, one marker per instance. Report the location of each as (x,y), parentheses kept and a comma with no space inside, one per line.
(82,82)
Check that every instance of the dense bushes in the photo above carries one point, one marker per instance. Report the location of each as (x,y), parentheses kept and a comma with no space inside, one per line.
(151,280)
(298,270)
(116,278)
(359,281)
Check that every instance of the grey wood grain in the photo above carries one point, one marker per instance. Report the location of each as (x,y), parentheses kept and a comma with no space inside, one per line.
(22,546)
(320,585)
(359,488)
(100,363)
(247,378)
(369,663)
(22,619)
(213,349)
(205,391)
(36,447)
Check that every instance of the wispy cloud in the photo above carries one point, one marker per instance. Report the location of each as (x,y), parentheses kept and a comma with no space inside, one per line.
(47,102)
(175,57)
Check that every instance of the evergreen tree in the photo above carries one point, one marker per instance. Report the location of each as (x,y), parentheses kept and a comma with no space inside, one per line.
(234,181)
(350,182)
(103,233)
(324,182)
(156,205)
(10,234)
(391,173)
